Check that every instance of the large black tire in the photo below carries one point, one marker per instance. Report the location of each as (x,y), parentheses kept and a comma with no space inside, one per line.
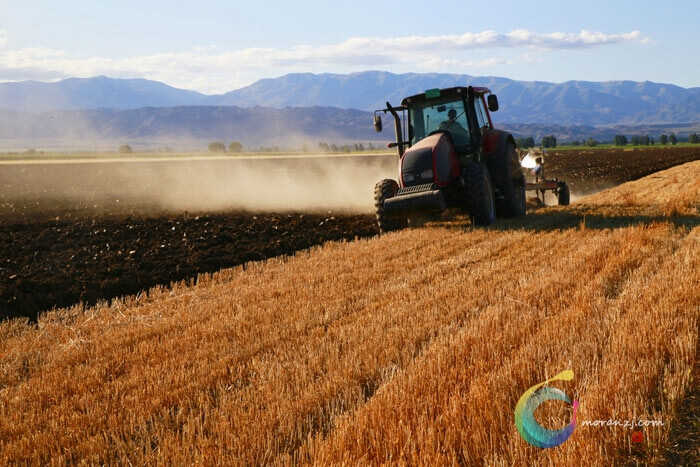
(507,176)
(478,200)
(563,196)
(383,190)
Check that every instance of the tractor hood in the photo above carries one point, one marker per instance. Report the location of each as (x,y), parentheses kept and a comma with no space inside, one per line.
(431,160)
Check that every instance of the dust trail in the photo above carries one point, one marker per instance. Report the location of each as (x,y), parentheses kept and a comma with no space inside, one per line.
(311,184)
(338,183)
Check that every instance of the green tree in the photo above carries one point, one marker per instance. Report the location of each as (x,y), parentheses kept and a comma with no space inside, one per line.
(620,140)
(663,139)
(672,139)
(125,149)
(525,143)
(549,141)
(235,146)
(638,140)
(694,138)
(590,142)
(217,146)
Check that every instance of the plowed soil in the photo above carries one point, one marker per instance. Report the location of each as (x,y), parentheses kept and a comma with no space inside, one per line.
(98,237)
(591,170)
(56,263)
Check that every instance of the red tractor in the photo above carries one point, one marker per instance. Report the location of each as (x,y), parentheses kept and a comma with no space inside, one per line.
(452,157)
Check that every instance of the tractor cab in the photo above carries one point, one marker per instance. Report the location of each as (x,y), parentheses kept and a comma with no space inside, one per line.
(437,115)
(461,112)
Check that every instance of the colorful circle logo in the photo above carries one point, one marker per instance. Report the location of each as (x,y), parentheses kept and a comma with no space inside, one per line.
(525,422)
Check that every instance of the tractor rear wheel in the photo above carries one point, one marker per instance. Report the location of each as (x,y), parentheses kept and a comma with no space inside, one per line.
(563,196)
(383,190)
(479,200)
(507,176)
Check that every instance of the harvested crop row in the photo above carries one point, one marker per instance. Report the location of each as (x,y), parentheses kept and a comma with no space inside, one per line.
(451,404)
(410,347)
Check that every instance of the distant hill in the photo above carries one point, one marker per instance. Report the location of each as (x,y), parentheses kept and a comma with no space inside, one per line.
(522,102)
(92,93)
(193,127)
(569,103)
(307,108)
(186,126)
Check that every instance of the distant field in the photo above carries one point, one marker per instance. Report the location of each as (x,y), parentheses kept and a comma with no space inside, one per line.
(652,147)
(65,157)
(412,347)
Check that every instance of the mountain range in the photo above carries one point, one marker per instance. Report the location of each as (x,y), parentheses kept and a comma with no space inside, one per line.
(185,126)
(568,103)
(312,107)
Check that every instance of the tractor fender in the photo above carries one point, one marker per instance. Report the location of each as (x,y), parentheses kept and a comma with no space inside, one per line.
(492,139)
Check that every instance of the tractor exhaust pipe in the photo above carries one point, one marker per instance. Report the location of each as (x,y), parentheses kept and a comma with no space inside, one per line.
(397,127)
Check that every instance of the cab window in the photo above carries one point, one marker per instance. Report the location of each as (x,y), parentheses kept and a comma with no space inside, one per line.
(481,115)
(446,116)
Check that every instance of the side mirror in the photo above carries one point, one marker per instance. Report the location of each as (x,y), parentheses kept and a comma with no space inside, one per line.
(493,102)
(377,123)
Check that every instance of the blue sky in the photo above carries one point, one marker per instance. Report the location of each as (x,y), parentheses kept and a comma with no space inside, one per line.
(217,46)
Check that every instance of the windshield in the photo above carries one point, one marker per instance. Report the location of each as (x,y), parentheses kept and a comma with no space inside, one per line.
(447,116)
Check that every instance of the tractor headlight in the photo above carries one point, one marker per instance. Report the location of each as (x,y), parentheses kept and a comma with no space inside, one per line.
(427,175)
(407,177)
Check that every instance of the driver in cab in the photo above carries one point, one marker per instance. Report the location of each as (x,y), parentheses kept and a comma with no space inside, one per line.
(458,132)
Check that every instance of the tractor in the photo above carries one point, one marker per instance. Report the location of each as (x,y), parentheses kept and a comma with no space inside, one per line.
(450,158)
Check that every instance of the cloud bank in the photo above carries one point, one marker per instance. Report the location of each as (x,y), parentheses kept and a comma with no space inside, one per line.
(210,70)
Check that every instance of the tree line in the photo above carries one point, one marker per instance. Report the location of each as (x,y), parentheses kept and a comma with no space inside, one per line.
(529,142)
(236,146)
(646,140)
(550,141)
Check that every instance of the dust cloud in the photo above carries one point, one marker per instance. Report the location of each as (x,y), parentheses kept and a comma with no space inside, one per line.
(308,184)
(304,184)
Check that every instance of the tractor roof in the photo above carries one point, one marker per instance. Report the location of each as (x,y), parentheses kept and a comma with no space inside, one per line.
(442,94)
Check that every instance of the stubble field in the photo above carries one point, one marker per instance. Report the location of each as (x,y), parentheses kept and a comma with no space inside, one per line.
(412,347)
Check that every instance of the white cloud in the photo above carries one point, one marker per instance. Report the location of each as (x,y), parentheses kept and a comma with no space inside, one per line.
(3,37)
(207,70)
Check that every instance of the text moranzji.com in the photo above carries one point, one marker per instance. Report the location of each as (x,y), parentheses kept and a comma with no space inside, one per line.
(631,424)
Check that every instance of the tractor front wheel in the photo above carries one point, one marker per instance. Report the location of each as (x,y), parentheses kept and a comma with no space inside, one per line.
(479,200)
(384,190)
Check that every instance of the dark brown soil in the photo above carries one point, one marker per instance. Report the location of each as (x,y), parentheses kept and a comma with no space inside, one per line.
(590,170)
(56,263)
